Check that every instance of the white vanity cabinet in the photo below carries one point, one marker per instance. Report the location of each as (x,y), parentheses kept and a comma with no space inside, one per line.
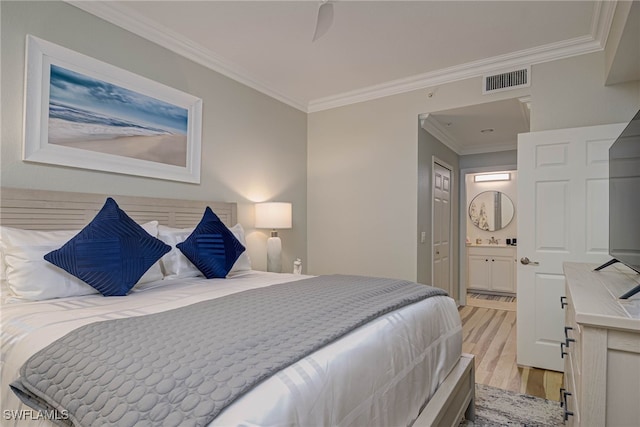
(491,268)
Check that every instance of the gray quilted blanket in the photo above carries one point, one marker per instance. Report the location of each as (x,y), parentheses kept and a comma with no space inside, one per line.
(182,367)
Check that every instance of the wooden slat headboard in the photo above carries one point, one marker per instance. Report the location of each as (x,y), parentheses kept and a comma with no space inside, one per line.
(61,210)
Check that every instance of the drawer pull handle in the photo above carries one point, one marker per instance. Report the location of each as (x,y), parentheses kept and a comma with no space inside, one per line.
(562,352)
(561,400)
(566,335)
(563,302)
(567,412)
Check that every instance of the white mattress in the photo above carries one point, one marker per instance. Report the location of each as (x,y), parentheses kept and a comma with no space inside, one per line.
(379,374)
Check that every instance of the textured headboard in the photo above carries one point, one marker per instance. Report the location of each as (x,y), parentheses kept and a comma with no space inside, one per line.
(61,210)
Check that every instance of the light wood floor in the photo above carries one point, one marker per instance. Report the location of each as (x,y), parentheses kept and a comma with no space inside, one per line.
(490,334)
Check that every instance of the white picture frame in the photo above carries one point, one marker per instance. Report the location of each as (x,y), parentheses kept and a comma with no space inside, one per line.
(84,113)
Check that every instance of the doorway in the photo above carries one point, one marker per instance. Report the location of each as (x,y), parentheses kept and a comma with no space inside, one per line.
(473,139)
(489,223)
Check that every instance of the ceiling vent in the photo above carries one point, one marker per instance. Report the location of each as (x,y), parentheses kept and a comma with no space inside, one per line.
(507,80)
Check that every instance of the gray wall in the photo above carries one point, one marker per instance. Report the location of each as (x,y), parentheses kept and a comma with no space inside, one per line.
(428,147)
(499,158)
(253,147)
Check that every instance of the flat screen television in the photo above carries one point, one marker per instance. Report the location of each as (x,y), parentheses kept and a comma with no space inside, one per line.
(624,200)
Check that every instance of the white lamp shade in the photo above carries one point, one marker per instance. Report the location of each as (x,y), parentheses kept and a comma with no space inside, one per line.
(274,215)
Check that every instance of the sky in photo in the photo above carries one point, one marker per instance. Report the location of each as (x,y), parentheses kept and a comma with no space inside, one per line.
(87,93)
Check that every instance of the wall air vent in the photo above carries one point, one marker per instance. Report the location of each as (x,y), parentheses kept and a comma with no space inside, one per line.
(507,80)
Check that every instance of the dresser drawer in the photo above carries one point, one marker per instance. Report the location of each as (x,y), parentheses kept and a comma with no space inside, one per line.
(569,396)
(573,331)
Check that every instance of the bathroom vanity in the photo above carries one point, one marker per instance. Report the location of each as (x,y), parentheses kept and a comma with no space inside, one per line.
(491,268)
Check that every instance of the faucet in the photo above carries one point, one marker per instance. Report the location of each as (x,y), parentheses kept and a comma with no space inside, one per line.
(494,241)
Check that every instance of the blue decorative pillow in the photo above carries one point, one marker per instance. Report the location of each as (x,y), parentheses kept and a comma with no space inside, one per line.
(111,253)
(212,247)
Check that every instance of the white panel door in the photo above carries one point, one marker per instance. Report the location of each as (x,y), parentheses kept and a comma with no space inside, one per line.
(563,216)
(442,227)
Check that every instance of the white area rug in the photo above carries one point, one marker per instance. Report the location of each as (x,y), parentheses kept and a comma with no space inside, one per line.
(497,407)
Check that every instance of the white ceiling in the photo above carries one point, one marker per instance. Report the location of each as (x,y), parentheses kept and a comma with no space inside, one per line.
(373,49)
(489,127)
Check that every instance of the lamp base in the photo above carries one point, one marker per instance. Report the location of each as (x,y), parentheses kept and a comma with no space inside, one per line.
(274,255)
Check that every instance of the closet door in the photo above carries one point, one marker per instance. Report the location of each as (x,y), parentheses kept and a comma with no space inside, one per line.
(442,228)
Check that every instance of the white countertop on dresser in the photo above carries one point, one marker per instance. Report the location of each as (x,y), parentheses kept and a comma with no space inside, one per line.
(601,305)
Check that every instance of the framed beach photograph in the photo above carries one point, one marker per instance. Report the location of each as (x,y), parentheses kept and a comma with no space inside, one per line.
(85,113)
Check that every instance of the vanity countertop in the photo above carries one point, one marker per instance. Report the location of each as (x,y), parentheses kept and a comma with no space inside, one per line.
(486,245)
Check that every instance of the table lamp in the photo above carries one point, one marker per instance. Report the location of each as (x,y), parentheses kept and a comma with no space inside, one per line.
(273,215)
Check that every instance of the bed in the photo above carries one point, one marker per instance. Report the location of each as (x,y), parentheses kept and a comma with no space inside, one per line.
(403,368)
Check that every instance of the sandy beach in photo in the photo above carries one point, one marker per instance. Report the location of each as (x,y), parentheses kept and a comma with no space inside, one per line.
(167,149)
(125,140)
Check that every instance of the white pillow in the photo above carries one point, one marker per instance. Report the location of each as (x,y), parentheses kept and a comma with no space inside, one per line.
(29,276)
(155,271)
(243,263)
(176,265)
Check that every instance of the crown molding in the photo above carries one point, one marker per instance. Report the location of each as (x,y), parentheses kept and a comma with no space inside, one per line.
(594,42)
(537,55)
(489,149)
(525,107)
(152,31)
(602,20)
(431,125)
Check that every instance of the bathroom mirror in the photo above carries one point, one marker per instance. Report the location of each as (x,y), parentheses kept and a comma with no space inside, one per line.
(491,210)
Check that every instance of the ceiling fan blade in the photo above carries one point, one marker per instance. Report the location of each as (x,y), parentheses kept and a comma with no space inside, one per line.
(325,20)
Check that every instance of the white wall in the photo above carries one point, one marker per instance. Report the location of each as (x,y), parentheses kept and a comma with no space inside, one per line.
(363,214)
(363,168)
(354,184)
(571,93)
(253,147)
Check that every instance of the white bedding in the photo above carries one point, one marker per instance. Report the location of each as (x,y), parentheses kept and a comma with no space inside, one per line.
(380,374)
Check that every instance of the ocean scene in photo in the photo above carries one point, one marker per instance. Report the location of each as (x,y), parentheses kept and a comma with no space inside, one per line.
(90,114)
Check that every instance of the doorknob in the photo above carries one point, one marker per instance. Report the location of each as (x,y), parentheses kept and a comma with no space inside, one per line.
(526,261)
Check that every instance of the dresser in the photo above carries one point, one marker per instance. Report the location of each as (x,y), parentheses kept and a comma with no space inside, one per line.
(491,268)
(601,350)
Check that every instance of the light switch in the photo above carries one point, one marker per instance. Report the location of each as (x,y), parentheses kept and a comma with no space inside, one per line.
(423,236)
